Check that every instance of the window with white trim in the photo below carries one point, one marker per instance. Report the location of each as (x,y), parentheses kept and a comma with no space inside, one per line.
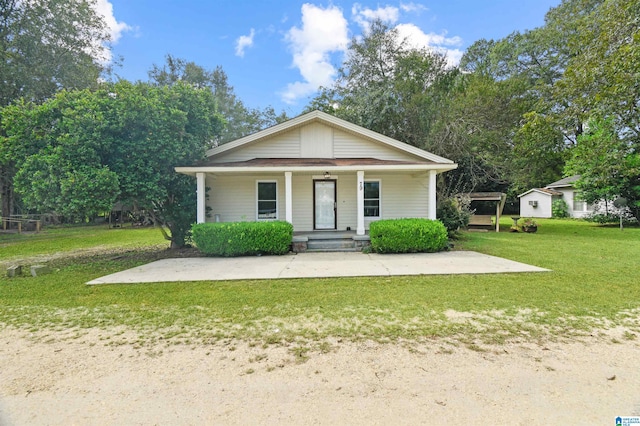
(579,205)
(267,200)
(371,198)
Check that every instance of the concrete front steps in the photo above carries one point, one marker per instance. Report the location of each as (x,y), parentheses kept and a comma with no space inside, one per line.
(329,241)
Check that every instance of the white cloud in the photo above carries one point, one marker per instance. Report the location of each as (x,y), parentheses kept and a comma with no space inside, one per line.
(438,42)
(104,8)
(364,16)
(413,7)
(323,31)
(243,42)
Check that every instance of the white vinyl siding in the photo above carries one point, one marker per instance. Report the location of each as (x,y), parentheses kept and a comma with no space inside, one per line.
(402,196)
(542,204)
(286,145)
(346,145)
(316,141)
(346,201)
(234,197)
(302,189)
(405,196)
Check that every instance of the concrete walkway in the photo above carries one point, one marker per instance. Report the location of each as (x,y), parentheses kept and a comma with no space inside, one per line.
(315,265)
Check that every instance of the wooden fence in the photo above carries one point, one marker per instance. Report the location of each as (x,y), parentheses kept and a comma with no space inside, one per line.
(9,222)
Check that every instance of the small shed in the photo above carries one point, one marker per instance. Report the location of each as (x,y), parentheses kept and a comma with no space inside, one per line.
(537,202)
(484,221)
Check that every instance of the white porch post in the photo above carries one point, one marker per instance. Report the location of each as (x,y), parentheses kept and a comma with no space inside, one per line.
(360,203)
(288,198)
(432,194)
(200,190)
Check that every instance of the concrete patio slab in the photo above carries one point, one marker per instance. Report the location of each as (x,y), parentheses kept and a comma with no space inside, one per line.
(315,265)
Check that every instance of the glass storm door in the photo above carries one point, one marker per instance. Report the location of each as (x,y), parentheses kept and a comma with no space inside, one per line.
(324,204)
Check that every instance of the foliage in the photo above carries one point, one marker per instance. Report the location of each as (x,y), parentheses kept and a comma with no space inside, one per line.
(601,77)
(539,152)
(387,86)
(408,236)
(454,213)
(239,119)
(78,151)
(243,238)
(528,223)
(608,166)
(559,209)
(46,45)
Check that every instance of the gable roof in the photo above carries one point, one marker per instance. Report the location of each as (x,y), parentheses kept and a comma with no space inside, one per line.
(543,191)
(324,118)
(568,181)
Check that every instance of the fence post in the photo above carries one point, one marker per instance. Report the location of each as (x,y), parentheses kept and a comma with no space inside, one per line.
(19,227)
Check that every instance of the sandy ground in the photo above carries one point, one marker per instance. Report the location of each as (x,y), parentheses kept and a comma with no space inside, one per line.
(82,381)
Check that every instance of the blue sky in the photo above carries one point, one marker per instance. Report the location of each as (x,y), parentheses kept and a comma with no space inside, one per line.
(278,52)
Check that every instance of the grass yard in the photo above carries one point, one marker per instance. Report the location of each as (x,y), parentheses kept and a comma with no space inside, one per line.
(594,286)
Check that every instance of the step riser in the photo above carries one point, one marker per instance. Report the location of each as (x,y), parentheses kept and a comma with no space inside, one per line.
(330,244)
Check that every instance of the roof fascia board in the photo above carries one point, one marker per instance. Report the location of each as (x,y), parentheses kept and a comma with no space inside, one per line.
(535,190)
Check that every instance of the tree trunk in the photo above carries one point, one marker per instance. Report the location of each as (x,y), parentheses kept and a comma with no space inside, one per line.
(6,189)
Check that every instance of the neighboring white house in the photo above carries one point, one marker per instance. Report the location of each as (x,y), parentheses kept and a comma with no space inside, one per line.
(537,202)
(317,172)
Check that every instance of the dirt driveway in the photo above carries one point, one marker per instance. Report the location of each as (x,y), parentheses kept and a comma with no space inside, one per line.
(53,380)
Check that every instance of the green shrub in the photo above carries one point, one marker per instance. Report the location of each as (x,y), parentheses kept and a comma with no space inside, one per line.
(559,209)
(454,213)
(243,238)
(408,236)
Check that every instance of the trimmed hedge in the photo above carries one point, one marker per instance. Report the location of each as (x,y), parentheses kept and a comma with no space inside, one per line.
(243,238)
(408,236)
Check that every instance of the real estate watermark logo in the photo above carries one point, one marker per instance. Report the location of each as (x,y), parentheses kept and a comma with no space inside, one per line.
(628,421)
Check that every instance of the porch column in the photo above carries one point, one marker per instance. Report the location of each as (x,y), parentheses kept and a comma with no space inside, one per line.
(360,203)
(288,198)
(432,194)
(201,193)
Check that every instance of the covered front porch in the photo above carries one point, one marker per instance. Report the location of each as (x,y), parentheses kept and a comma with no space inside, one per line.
(316,194)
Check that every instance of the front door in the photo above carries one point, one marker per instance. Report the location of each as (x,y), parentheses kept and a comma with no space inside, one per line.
(324,204)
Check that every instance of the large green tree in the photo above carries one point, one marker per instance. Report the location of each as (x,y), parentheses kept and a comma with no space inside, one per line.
(603,79)
(609,166)
(80,150)
(46,45)
(240,120)
(388,86)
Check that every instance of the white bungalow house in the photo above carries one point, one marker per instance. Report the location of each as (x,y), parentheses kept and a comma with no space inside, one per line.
(319,173)
(537,202)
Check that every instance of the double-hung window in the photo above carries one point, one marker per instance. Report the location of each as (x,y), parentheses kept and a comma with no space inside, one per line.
(372,198)
(267,200)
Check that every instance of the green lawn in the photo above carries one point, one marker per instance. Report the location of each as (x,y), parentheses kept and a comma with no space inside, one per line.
(65,239)
(594,285)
